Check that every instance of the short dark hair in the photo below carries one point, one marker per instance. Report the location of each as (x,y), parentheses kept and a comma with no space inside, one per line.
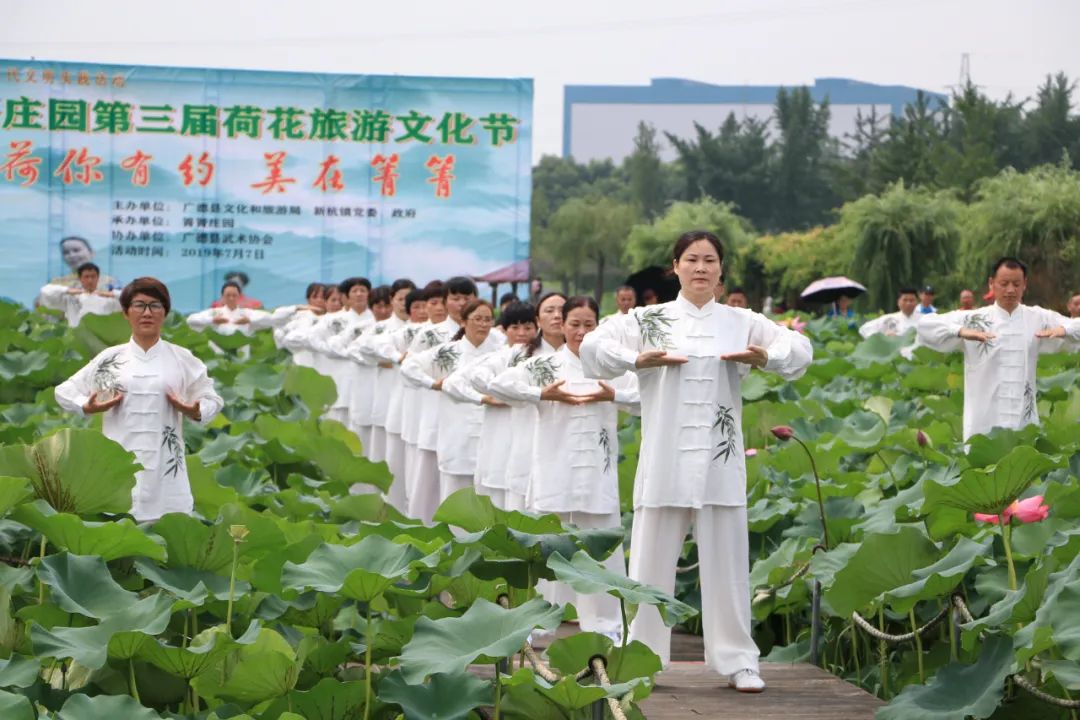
(907,291)
(314,288)
(435,289)
(242,278)
(380,294)
(624,288)
(401,284)
(507,298)
(689,238)
(460,285)
(328,290)
(737,291)
(517,313)
(145,286)
(580,301)
(1010,263)
(87,266)
(232,284)
(413,297)
(349,283)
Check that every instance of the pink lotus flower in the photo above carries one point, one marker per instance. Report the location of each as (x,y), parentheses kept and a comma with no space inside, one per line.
(751,452)
(1029,510)
(783,432)
(793,323)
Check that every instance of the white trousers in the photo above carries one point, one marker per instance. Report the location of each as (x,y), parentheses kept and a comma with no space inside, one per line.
(498,496)
(364,433)
(424,497)
(376,448)
(724,556)
(597,612)
(513,501)
(450,483)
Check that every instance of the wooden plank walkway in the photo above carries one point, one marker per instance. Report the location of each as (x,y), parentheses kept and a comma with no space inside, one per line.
(689,689)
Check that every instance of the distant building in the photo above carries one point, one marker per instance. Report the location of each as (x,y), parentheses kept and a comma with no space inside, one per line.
(601,121)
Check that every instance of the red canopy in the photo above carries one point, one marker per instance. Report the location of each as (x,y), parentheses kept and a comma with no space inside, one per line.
(518,272)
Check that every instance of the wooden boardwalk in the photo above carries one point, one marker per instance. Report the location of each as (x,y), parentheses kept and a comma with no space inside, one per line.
(689,689)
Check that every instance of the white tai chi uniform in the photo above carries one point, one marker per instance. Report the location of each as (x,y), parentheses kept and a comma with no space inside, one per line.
(77,305)
(328,339)
(896,323)
(422,471)
(204,319)
(692,466)
(459,412)
(519,455)
(144,422)
(999,375)
(497,431)
(382,381)
(389,347)
(575,465)
(294,337)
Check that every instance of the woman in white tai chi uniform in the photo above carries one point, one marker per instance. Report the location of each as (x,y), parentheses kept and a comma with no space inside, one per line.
(230,318)
(1001,345)
(518,323)
(295,337)
(688,355)
(576,449)
(281,318)
(330,336)
(391,349)
(523,415)
(460,415)
(146,387)
(85,299)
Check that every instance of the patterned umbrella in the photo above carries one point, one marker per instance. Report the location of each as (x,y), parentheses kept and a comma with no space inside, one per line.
(827,290)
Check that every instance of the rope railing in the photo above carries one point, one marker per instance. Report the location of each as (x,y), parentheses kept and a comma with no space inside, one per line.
(597,666)
(906,637)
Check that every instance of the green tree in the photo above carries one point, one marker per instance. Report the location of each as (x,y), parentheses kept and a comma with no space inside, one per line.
(645,173)
(650,244)
(782,265)
(593,231)
(903,237)
(1034,216)
(805,157)
(975,145)
(910,147)
(1050,128)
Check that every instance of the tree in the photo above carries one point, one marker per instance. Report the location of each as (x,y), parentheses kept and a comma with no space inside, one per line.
(902,238)
(650,244)
(910,146)
(971,148)
(802,187)
(1050,128)
(855,175)
(783,265)
(593,230)
(644,171)
(1034,216)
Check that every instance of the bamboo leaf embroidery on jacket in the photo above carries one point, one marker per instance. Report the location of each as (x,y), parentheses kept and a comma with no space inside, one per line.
(542,370)
(446,358)
(171,442)
(655,327)
(1031,412)
(980,323)
(725,423)
(107,375)
(605,445)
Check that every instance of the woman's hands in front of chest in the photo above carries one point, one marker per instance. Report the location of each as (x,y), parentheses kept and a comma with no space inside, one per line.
(753,355)
(93,406)
(189,410)
(657,359)
(555,392)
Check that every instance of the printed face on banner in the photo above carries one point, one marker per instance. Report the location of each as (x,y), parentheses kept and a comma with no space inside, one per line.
(189,174)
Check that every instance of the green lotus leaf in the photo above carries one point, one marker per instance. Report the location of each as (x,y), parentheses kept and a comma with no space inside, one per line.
(13,490)
(193,586)
(587,575)
(316,391)
(260,379)
(989,490)
(484,634)
(570,655)
(939,579)
(16,363)
(309,441)
(97,332)
(572,695)
(16,707)
(209,494)
(361,572)
(84,585)
(448,696)
(192,543)
(878,349)
(863,430)
(104,707)
(882,563)
(201,655)
(253,673)
(108,540)
(76,471)
(1066,673)
(330,699)
(958,691)
(18,671)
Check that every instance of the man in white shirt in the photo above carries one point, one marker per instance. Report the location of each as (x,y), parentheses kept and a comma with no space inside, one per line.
(896,323)
(1001,345)
(85,299)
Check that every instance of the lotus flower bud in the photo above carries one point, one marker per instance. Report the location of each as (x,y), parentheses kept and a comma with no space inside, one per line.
(922,438)
(238,532)
(783,432)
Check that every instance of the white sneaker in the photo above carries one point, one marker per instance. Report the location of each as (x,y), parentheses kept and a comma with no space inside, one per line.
(747,681)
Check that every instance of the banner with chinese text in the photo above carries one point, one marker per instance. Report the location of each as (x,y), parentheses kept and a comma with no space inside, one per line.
(188,174)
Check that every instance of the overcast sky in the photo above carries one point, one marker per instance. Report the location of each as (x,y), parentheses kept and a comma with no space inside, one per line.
(1012,43)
